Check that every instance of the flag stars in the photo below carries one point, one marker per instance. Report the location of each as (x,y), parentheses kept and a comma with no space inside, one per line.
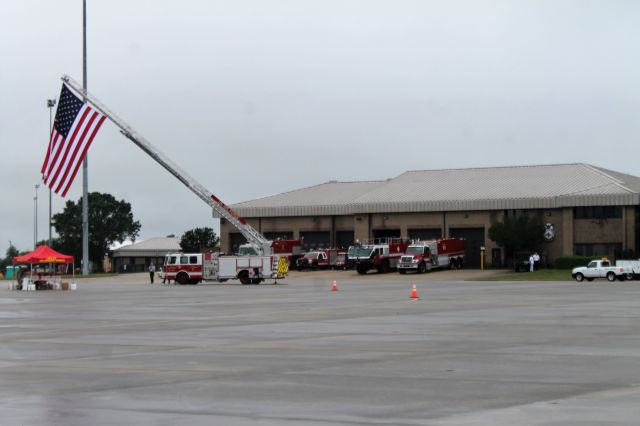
(68,109)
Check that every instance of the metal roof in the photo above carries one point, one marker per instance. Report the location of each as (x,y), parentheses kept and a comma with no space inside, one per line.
(491,188)
(330,198)
(149,247)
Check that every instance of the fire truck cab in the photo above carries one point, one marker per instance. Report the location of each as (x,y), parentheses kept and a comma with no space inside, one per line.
(183,268)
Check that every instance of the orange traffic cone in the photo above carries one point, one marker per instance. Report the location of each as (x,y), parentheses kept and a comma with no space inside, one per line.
(414,293)
(334,287)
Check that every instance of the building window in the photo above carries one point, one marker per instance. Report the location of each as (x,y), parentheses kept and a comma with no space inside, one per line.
(598,250)
(598,212)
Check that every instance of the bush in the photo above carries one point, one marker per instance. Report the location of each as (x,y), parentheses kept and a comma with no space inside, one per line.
(570,262)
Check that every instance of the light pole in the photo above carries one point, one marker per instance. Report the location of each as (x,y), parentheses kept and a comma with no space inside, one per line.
(50,104)
(35,218)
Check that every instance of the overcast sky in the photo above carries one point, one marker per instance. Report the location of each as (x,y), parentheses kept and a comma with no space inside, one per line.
(255,98)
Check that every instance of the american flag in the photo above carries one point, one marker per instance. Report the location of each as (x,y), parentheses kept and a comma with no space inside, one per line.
(74,128)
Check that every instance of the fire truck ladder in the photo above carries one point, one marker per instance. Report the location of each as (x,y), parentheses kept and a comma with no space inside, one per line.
(224,211)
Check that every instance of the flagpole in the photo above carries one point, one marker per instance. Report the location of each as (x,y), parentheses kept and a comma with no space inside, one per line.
(50,104)
(85,163)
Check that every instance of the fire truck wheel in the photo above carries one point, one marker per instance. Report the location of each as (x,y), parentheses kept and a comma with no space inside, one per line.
(459,263)
(182,278)
(402,271)
(361,270)
(422,268)
(452,264)
(384,267)
(243,276)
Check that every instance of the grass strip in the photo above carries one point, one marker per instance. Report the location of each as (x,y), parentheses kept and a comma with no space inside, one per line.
(541,275)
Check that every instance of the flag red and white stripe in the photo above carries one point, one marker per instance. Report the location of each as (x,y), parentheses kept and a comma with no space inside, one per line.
(75,127)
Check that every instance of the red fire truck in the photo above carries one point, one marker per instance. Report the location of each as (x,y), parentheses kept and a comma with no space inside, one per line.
(192,268)
(381,254)
(422,256)
(318,259)
(247,268)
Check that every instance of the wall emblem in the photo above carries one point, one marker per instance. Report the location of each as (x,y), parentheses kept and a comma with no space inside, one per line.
(549,232)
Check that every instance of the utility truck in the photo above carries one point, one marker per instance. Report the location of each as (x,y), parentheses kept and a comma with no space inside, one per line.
(423,256)
(250,268)
(602,268)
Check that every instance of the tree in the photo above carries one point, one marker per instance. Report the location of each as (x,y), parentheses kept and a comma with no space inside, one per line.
(11,252)
(110,220)
(197,239)
(517,233)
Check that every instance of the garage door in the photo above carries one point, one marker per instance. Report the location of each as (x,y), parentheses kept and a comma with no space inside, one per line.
(344,239)
(474,239)
(386,233)
(316,239)
(424,234)
(272,236)
(236,239)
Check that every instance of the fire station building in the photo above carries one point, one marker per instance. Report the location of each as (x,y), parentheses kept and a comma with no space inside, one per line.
(586,210)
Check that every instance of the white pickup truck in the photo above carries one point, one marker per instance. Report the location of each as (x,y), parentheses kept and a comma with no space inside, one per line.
(623,270)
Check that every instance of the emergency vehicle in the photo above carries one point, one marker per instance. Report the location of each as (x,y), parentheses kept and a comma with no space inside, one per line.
(246,268)
(423,256)
(381,254)
(192,268)
(318,259)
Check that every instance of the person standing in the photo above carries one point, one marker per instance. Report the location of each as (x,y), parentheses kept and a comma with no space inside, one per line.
(531,263)
(536,261)
(152,271)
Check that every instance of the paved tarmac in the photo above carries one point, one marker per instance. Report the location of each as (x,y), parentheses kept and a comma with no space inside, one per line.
(119,351)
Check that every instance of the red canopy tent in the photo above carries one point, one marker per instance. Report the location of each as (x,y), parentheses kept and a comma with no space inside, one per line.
(43,254)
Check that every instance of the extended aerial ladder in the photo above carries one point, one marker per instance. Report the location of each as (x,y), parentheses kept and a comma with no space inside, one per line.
(262,244)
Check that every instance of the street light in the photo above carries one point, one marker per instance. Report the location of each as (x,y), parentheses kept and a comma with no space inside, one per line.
(35,218)
(50,104)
